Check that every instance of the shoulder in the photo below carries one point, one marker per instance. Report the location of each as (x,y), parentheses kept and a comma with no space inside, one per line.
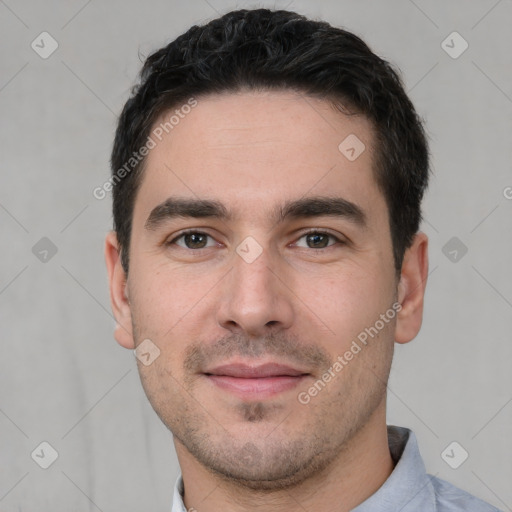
(450,498)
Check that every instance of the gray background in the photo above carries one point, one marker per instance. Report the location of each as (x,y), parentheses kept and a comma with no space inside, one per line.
(64,379)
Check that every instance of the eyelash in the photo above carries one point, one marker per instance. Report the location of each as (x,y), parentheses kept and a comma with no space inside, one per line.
(309,232)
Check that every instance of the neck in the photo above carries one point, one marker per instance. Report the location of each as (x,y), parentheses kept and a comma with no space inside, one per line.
(357,473)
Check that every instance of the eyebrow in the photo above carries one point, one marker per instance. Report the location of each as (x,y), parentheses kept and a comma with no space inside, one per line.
(308,207)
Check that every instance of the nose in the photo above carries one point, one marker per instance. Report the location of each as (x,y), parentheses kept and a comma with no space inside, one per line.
(256,296)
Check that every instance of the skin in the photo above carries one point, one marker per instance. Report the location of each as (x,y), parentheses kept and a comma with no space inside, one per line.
(295,304)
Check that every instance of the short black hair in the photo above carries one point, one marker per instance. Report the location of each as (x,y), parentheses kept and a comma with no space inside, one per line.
(263,49)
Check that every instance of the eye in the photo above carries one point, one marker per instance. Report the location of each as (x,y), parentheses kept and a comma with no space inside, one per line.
(191,240)
(319,239)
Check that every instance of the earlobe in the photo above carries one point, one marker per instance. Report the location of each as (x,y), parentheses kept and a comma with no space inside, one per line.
(411,289)
(118,292)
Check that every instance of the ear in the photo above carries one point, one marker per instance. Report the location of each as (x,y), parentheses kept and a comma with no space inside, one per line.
(118,292)
(411,289)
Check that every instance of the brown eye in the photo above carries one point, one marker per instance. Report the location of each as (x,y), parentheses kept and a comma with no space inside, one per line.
(318,240)
(191,240)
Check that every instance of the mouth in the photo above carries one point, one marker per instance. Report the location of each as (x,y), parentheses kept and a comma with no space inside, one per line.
(256,382)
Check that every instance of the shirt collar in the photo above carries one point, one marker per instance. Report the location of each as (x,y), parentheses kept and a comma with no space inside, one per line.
(177,499)
(407,489)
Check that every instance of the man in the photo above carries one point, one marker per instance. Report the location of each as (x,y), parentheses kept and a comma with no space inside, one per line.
(267,178)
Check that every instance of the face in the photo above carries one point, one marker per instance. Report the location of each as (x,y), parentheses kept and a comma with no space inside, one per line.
(260,255)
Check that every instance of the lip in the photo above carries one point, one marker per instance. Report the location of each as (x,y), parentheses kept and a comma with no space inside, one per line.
(256,382)
(245,371)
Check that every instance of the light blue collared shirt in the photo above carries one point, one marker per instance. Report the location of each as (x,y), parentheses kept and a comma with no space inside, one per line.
(408,489)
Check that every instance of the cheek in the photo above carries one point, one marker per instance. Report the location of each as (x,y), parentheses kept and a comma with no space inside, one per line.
(173,308)
(349,301)
(161,297)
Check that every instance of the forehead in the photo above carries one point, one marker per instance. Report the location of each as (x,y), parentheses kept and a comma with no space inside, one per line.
(254,150)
